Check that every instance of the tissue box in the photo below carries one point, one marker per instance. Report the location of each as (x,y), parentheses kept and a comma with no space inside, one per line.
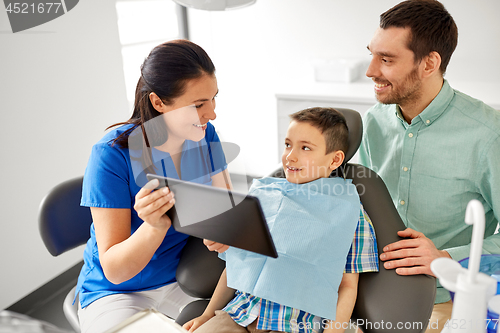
(339,70)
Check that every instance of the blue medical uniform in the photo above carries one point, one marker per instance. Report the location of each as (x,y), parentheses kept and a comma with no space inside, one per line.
(110,182)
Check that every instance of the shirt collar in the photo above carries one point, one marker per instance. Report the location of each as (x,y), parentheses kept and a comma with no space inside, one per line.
(399,115)
(434,109)
(188,145)
(438,105)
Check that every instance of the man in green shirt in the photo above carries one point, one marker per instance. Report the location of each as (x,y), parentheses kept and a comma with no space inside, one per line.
(435,148)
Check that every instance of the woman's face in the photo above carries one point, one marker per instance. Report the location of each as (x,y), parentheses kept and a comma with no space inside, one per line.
(187,117)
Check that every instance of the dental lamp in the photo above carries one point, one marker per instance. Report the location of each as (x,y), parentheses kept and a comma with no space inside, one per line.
(217,5)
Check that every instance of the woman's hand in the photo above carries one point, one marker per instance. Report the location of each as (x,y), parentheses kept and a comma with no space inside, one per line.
(151,206)
(193,324)
(214,246)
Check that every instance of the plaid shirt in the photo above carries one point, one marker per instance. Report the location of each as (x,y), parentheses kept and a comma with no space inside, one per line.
(245,308)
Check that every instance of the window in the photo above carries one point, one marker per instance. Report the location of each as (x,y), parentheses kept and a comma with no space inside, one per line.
(143,25)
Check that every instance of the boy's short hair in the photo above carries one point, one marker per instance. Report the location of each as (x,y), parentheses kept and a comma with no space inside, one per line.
(330,123)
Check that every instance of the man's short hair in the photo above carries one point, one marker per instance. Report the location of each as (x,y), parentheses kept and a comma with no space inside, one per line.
(432,28)
(330,123)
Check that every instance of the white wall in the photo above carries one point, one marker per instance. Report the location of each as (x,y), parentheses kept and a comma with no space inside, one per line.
(61,85)
(258,48)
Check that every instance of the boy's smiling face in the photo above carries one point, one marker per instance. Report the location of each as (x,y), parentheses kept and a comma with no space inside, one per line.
(304,157)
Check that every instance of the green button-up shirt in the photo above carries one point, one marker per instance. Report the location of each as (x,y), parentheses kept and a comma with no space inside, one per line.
(447,156)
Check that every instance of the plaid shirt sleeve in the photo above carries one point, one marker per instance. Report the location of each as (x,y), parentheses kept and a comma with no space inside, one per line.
(363,255)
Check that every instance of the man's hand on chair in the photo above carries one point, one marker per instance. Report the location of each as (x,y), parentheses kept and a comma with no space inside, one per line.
(413,255)
(213,246)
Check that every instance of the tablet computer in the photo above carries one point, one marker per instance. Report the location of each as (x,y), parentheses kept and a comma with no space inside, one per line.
(220,215)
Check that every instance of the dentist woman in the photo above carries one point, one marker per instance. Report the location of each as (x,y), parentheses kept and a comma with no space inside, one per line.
(132,255)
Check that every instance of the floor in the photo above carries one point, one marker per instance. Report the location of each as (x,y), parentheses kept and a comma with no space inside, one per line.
(52,311)
(46,303)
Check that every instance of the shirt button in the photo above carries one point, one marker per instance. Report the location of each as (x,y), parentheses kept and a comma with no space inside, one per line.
(402,202)
(427,121)
(405,169)
(410,135)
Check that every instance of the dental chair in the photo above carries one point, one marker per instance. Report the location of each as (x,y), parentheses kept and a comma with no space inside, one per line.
(386,301)
(64,225)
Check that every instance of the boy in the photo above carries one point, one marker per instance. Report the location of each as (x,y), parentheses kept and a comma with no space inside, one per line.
(309,286)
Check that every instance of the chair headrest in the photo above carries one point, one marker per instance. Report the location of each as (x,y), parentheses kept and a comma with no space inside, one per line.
(63,223)
(355,125)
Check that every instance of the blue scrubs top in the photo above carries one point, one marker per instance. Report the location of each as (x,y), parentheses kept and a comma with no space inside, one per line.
(112,180)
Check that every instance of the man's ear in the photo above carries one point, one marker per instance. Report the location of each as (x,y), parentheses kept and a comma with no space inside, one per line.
(156,102)
(431,64)
(337,159)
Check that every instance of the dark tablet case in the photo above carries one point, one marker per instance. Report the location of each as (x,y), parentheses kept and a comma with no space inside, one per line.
(234,219)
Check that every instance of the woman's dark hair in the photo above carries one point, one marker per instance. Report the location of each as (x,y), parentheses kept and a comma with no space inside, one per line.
(165,72)
(432,28)
(330,123)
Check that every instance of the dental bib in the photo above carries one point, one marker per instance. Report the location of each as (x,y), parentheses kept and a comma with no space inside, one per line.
(312,226)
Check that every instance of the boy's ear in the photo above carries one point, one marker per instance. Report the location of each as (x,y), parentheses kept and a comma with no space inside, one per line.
(337,159)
